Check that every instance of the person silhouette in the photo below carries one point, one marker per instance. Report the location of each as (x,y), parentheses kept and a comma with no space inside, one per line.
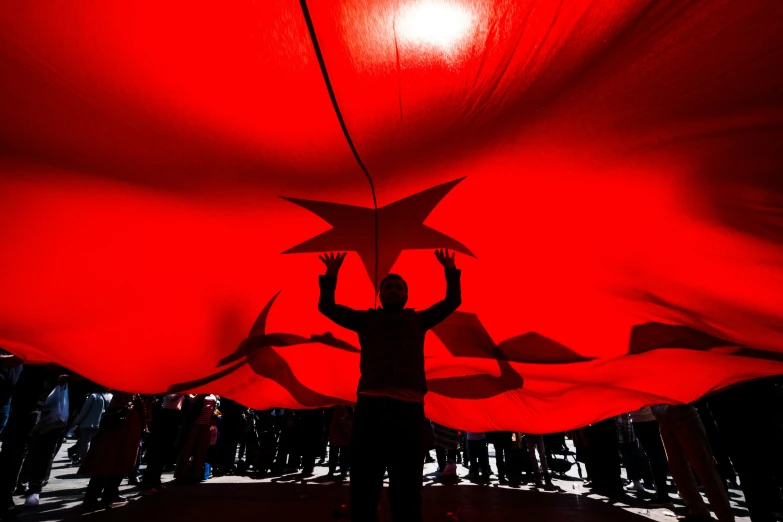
(390,403)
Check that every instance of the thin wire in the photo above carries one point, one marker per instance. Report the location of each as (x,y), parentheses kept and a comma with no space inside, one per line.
(325,74)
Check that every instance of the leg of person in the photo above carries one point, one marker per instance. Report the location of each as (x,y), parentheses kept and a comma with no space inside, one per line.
(649,436)
(111,489)
(440,457)
(170,428)
(94,490)
(242,447)
(451,456)
(60,440)
(154,469)
(531,453)
(74,450)
(405,463)
(542,455)
(12,453)
(282,453)
(473,454)
(345,460)
(631,471)
(499,461)
(717,443)
(227,445)
(682,474)
(512,467)
(333,458)
(84,445)
(639,462)
(644,466)
(484,461)
(42,458)
(200,449)
(324,440)
(308,461)
(31,463)
(183,461)
(696,447)
(368,464)
(133,477)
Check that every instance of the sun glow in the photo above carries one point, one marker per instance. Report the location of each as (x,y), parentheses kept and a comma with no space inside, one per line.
(435,23)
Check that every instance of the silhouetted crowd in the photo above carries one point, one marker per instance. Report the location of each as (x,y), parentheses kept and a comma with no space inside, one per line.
(730,439)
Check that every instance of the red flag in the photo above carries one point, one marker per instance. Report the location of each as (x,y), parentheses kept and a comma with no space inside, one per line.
(605,171)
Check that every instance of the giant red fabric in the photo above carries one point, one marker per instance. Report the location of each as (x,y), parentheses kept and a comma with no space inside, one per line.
(608,172)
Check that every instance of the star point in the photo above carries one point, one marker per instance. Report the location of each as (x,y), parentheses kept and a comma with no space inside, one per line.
(400,227)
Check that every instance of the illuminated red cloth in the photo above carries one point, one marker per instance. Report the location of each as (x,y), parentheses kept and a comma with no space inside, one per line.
(166,168)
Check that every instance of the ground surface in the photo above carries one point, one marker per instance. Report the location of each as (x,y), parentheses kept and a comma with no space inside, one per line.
(282,498)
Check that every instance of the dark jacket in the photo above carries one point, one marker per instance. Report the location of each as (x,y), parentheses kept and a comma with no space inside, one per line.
(392,344)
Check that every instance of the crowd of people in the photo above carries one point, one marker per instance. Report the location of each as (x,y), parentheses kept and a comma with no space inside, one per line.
(733,434)
(124,436)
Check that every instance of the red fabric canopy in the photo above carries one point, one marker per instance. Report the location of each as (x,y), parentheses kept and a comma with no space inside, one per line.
(608,172)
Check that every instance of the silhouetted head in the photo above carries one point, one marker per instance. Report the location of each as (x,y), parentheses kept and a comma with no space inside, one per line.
(394,293)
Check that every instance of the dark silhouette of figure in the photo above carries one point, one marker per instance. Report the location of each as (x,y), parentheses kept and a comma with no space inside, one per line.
(390,405)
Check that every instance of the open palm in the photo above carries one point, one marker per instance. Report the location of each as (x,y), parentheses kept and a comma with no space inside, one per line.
(445,259)
(333,262)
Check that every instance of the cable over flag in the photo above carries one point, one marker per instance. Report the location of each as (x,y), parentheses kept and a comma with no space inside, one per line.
(608,174)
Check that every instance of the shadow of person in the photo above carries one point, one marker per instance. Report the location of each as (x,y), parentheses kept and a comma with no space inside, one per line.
(315,502)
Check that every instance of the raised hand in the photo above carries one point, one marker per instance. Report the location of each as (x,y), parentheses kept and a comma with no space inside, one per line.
(445,259)
(333,262)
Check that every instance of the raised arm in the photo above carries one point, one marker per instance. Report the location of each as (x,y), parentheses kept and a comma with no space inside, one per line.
(442,309)
(342,315)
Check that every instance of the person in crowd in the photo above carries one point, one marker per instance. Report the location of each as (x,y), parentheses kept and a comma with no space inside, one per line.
(646,429)
(631,453)
(309,437)
(462,453)
(340,430)
(479,456)
(427,442)
(112,454)
(446,447)
(750,421)
(190,463)
(602,459)
(149,404)
(232,424)
(325,436)
(518,462)
(262,442)
(89,420)
(28,399)
(43,444)
(390,406)
(10,370)
(164,428)
(215,428)
(244,435)
(717,444)
(501,442)
(686,446)
(287,460)
(540,474)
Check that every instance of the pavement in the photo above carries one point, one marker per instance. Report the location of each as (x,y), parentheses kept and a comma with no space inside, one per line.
(222,499)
